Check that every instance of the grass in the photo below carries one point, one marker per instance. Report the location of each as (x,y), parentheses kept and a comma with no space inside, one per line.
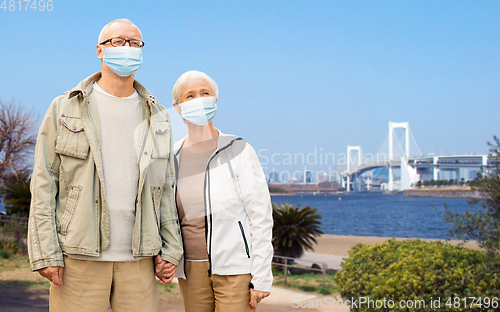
(16,269)
(309,282)
(166,288)
(21,289)
(14,262)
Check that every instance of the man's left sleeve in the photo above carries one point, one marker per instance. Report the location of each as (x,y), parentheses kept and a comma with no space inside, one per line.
(171,250)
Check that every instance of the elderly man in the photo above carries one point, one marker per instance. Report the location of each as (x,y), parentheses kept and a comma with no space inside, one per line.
(102,187)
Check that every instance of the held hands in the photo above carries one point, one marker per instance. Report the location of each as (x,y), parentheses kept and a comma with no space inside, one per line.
(164,270)
(53,274)
(165,273)
(256,296)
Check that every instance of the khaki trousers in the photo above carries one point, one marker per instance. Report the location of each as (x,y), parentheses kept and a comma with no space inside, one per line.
(90,286)
(219,293)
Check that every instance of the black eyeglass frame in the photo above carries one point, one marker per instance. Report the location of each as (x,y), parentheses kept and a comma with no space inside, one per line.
(125,42)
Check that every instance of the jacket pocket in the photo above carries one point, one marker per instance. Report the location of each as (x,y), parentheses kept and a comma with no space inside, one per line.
(71,203)
(161,148)
(156,192)
(71,140)
(244,239)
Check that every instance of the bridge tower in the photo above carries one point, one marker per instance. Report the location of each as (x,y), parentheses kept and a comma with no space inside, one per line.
(349,150)
(392,126)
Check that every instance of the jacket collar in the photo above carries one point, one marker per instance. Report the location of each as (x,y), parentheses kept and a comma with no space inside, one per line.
(85,88)
(222,141)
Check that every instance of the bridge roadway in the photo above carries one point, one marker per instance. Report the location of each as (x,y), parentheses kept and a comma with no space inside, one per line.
(442,162)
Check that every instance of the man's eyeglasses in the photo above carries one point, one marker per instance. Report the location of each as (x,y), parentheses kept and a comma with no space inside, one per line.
(120,42)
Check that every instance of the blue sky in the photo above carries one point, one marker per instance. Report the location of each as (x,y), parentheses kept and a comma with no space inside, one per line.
(293,75)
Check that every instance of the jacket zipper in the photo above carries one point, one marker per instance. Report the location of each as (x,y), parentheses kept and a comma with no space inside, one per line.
(207,178)
(210,264)
(244,239)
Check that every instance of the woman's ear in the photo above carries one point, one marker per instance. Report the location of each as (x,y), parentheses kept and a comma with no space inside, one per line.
(177,108)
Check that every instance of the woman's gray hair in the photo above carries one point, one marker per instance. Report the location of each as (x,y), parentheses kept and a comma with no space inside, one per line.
(192,74)
(104,30)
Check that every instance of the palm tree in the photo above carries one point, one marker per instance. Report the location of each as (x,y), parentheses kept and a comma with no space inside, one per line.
(295,230)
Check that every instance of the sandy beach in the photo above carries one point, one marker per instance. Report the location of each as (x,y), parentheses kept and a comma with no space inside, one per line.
(339,245)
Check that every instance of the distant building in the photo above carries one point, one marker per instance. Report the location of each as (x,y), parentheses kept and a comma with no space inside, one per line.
(322,177)
(307,176)
(274,177)
(473,174)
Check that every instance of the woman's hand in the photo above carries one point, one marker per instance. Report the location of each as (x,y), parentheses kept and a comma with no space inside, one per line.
(164,270)
(256,296)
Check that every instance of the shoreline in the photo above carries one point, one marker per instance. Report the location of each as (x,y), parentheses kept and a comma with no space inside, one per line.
(339,245)
(444,193)
(315,193)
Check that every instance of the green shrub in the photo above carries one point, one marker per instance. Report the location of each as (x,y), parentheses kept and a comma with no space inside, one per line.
(4,254)
(14,246)
(17,230)
(13,237)
(416,270)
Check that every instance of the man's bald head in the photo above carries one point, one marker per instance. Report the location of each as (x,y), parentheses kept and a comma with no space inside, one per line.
(104,34)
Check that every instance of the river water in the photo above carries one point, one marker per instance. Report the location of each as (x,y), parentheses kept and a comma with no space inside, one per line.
(378,214)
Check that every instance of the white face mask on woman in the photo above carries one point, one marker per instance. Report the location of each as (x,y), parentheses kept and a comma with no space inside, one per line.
(199,111)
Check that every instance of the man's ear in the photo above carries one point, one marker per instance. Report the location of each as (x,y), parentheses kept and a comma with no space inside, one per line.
(99,52)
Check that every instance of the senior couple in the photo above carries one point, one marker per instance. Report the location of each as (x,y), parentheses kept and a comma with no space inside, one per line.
(115,203)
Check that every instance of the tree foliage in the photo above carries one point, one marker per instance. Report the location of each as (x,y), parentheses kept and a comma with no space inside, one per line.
(15,191)
(295,229)
(483,224)
(17,139)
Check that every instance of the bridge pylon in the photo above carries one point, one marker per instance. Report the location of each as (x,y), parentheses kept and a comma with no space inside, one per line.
(408,174)
(349,150)
(392,126)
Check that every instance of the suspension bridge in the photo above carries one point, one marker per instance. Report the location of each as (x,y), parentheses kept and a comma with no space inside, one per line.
(419,167)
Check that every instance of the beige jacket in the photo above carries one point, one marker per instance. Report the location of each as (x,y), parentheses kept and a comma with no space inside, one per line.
(68,212)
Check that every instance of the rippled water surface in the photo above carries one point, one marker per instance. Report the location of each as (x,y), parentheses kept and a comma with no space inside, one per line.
(377,214)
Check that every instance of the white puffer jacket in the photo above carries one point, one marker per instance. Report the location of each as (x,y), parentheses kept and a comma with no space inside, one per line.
(238,212)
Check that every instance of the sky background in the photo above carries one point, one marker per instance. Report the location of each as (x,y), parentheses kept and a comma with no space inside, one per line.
(293,76)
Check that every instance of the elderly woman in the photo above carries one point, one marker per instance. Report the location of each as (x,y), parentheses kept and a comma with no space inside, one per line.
(224,208)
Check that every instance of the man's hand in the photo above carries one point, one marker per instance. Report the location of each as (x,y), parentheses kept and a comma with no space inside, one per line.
(164,270)
(53,274)
(256,296)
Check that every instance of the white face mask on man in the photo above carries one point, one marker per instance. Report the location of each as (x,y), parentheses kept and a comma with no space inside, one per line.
(123,61)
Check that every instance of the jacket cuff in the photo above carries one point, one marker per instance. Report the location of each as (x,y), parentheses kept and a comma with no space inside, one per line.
(261,287)
(42,264)
(170,259)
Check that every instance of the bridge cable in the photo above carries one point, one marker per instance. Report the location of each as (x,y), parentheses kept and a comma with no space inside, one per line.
(416,144)
(399,144)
